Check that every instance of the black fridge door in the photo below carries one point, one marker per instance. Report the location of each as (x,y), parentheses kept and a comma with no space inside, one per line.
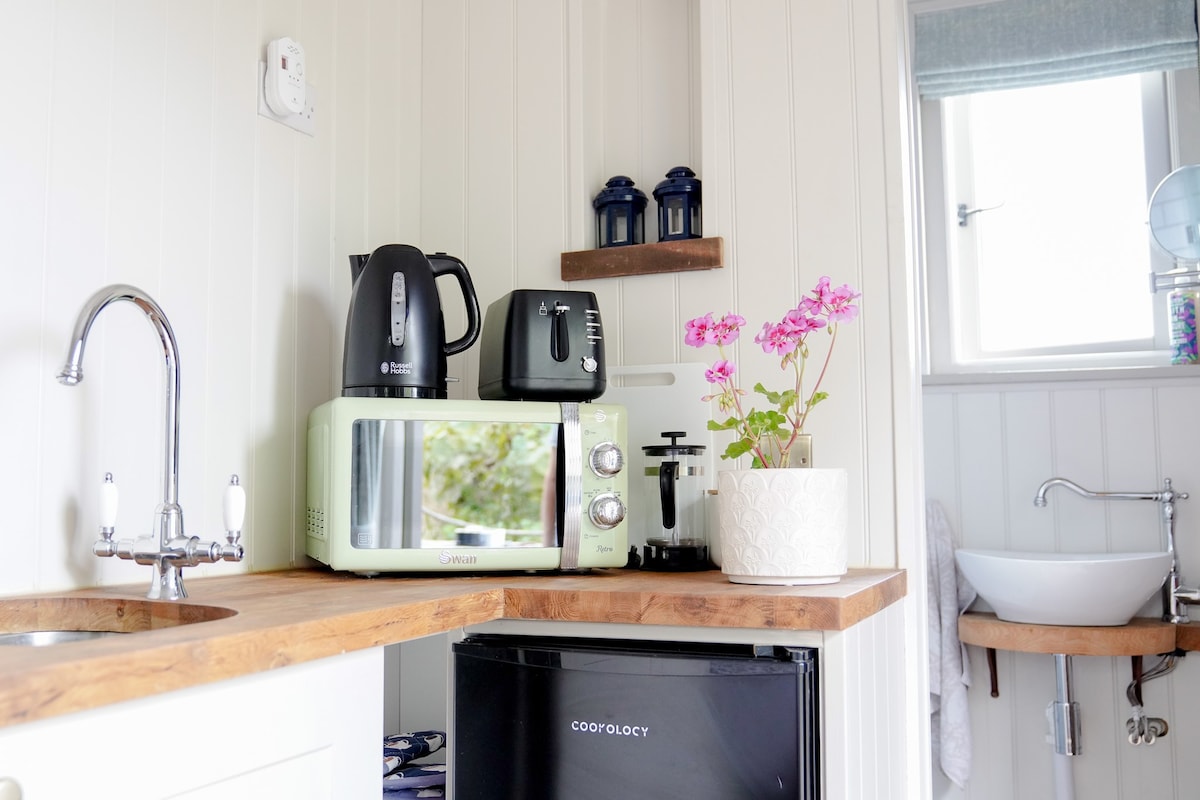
(580,719)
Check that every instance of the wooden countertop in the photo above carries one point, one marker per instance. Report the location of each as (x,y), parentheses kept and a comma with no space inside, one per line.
(305,614)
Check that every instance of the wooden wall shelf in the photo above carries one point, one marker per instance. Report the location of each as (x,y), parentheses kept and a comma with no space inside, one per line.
(683,255)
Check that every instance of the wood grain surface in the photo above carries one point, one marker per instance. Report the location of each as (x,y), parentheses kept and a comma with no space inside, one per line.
(680,255)
(1140,637)
(300,615)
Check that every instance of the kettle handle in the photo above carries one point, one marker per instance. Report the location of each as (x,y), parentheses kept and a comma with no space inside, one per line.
(443,264)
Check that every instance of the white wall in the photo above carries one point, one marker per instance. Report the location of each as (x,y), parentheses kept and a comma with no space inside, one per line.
(987,449)
(139,158)
(481,129)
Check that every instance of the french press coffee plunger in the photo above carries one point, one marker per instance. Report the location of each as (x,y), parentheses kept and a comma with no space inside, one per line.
(675,538)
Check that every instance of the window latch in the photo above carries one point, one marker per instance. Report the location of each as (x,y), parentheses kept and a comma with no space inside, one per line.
(965,213)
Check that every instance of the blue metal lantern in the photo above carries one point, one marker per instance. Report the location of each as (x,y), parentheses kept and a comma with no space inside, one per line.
(620,213)
(678,205)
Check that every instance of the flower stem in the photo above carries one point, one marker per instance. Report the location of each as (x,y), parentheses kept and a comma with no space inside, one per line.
(820,377)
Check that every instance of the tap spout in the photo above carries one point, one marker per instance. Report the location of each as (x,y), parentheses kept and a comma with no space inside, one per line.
(1175,596)
(72,374)
(1039,499)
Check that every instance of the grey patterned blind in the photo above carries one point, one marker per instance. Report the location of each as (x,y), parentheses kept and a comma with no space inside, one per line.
(1013,43)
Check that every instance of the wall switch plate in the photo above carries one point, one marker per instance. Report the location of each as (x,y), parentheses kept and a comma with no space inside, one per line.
(305,121)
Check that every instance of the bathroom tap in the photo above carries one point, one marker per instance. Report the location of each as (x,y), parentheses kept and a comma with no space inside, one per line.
(1175,596)
(168,549)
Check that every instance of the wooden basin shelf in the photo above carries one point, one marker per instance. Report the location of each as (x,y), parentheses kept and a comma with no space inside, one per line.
(1142,636)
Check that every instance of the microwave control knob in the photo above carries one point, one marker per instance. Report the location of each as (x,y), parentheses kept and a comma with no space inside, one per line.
(606,459)
(606,511)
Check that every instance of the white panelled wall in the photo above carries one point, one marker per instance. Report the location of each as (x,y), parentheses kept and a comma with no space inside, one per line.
(131,152)
(987,449)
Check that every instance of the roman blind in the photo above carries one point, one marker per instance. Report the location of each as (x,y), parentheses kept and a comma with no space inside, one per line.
(1007,44)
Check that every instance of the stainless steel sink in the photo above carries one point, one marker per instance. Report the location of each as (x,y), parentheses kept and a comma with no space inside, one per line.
(47,638)
(43,621)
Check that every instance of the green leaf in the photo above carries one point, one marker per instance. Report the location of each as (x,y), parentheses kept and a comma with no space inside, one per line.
(738,449)
(816,398)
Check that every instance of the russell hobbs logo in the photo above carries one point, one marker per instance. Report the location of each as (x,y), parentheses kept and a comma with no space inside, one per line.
(395,368)
(609,728)
(447,557)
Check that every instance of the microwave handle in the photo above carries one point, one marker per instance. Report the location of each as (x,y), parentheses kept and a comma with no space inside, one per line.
(572,525)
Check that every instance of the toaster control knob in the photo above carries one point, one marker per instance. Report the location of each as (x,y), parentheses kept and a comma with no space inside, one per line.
(589,364)
(606,511)
(606,459)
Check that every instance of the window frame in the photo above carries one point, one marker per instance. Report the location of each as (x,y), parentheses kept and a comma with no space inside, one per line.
(1163,96)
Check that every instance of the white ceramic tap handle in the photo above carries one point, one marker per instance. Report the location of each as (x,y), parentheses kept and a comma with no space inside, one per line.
(108,503)
(234,505)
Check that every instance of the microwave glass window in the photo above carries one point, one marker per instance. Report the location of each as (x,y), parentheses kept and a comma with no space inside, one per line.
(453,484)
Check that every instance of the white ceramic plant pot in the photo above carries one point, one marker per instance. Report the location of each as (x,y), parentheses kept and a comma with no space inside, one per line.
(783,526)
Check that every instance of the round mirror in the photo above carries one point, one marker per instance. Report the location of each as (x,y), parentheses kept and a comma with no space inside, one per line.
(1175,213)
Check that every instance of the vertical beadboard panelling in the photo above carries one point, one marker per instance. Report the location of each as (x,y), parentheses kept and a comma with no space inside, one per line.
(941,465)
(981,470)
(445,120)
(317,261)
(186,59)
(1028,452)
(1115,436)
(1179,446)
(225,367)
(74,266)
(541,122)
(444,123)
(1131,465)
(26,49)
(381,119)
(1079,452)
(865,752)
(131,439)
(349,85)
(272,287)
(652,88)
(493,143)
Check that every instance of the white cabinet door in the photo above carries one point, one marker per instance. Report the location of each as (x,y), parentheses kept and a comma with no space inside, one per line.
(311,731)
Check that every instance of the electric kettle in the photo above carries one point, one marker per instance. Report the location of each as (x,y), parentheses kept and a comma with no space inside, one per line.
(675,534)
(395,332)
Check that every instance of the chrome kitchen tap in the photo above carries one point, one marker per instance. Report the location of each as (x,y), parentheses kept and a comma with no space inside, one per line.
(169,549)
(1175,595)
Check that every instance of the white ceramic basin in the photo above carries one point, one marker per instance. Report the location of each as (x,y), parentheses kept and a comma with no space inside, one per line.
(1064,588)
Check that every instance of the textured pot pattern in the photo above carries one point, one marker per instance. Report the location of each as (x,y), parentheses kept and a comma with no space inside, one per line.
(783,526)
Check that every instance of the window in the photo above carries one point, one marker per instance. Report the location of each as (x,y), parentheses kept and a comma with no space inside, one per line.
(1037,251)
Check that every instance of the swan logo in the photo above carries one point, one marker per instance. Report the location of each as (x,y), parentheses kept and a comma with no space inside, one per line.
(447,557)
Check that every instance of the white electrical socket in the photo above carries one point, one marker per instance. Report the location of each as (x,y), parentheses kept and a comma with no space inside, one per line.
(305,121)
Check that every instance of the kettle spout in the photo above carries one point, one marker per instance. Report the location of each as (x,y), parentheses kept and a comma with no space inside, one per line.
(356,266)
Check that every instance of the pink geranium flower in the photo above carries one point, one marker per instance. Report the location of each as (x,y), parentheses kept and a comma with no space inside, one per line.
(767,436)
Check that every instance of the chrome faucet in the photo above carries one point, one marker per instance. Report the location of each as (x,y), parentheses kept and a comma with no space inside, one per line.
(168,549)
(1175,596)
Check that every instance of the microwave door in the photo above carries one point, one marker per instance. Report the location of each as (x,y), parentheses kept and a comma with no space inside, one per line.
(366,480)
(385,484)
(397,495)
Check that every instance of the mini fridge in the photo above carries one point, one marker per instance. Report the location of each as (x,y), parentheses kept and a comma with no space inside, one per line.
(595,719)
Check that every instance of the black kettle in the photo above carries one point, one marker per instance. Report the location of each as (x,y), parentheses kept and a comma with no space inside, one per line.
(395,333)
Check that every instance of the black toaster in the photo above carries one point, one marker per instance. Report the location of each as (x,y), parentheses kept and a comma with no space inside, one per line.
(542,344)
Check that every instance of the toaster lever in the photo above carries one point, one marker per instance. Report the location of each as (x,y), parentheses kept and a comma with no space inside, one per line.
(560,345)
